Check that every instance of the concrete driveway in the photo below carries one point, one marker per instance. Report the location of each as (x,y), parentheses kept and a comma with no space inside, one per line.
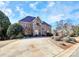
(32,47)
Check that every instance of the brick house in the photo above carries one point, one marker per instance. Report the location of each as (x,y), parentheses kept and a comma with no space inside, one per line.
(46,28)
(34,26)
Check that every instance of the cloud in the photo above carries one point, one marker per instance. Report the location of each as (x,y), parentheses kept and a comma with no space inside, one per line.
(56,17)
(34,5)
(21,12)
(5,9)
(76,16)
(50,5)
(8,12)
(74,11)
(4,3)
(1,3)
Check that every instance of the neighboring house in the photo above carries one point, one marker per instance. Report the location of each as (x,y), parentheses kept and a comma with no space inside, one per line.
(34,26)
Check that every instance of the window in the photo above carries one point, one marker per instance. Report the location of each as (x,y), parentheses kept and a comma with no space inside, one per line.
(43,29)
(38,24)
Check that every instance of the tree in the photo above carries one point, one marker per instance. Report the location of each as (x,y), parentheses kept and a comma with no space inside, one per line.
(76,30)
(66,27)
(15,30)
(4,24)
(60,24)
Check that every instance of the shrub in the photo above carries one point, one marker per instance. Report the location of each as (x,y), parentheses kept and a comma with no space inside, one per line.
(57,38)
(69,39)
(49,34)
(76,30)
(14,31)
(20,35)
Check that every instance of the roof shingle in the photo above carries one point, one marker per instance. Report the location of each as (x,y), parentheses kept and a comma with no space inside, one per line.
(28,19)
(45,23)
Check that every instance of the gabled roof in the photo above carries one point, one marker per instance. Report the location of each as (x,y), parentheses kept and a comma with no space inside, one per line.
(45,23)
(31,18)
(28,19)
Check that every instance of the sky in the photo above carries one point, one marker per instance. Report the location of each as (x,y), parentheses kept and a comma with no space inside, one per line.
(48,11)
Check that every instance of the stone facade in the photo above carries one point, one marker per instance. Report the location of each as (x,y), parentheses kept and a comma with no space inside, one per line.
(35,26)
(27,27)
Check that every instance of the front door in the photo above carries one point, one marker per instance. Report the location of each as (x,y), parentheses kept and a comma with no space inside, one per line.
(36,32)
